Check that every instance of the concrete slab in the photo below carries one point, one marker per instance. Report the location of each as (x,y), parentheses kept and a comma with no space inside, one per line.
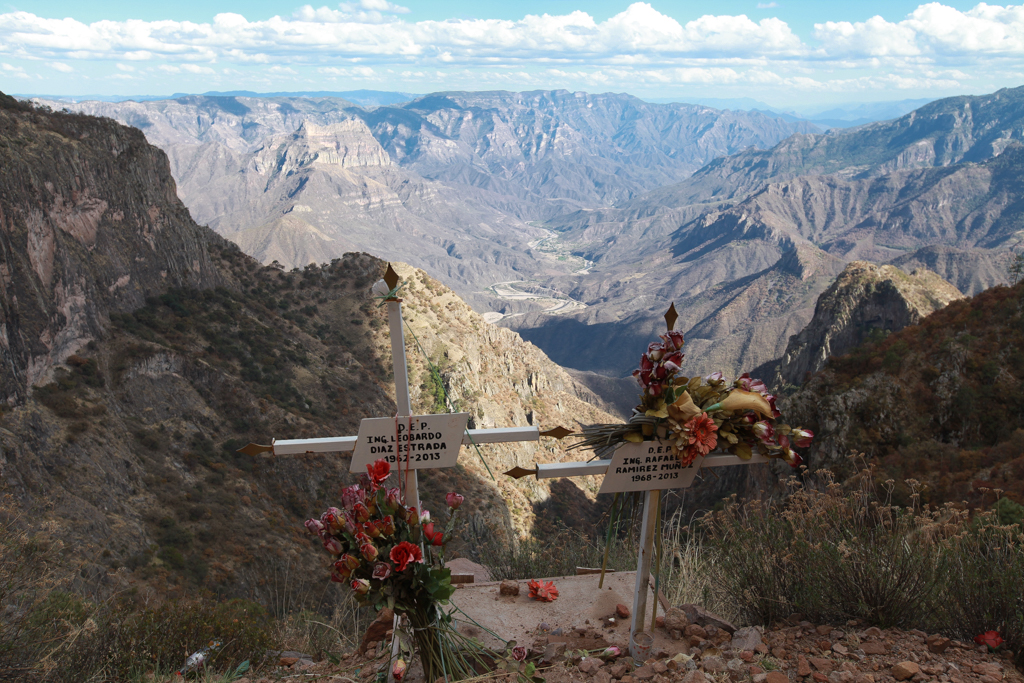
(579,601)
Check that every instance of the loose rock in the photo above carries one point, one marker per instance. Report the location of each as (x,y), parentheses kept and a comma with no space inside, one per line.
(905,670)
(509,587)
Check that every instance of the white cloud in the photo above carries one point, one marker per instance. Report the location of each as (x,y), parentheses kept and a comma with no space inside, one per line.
(12,71)
(61,66)
(767,5)
(934,31)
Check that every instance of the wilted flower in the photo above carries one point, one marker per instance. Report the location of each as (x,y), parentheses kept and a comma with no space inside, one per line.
(393,499)
(454,500)
(360,586)
(361,513)
(610,652)
(350,495)
(714,377)
(673,340)
(333,520)
(381,571)
(745,382)
(343,568)
(398,670)
(404,553)
(338,577)
(369,552)
(351,562)
(740,399)
(764,431)
(315,526)
(519,653)
(411,517)
(801,437)
(331,544)
(386,525)
(378,471)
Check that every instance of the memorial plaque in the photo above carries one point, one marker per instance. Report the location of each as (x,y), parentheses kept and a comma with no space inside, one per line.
(647,466)
(415,442)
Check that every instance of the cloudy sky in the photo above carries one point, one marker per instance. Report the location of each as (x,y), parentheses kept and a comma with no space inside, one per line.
(784,52)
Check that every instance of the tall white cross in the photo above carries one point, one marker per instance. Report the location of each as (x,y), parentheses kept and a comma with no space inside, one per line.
(650,467)
(405,440)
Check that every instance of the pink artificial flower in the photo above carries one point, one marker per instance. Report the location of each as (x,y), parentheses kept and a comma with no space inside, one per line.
(764,431)
(519,653)
(333,520)
(331,544)
(393,500)
(369,552)
(361,513)
(315,526)
(399,669)
(350,495)
(714,377)
(701,438)
(801,437)
(454,500)
(673,340)
(381,571)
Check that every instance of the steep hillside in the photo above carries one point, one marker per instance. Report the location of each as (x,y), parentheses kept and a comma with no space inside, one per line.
(126,448)
(865,302)
(936,402)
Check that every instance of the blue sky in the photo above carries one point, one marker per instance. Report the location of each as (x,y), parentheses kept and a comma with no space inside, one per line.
(786,52)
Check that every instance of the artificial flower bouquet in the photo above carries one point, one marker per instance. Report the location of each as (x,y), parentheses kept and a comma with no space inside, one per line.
(391,555)
(696,415)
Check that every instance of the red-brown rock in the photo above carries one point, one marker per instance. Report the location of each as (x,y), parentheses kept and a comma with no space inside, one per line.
(874,647)
(509,587)
(378,630)
(621,611)
(777,677)
(905,670)
(803,668)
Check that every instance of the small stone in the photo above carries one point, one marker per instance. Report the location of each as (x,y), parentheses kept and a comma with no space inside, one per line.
(824,645)
(904,670)
(695,630)
(840,649)
(989,679)
(824,630)
(823,665)
(602,676)
(759,678)
(780,653)
(776,677)
(675,620)
(589,665)
(618,670)
(508,587)
(746,638)
(988,669)
(659,667)
(628,679)
(937,644)
(873,632)
(753,670)
(819,677)
(553,653)
(713,665)
(621,611)
(803,668)
(761,649)
(659,622)
(378,630)
(698,615)
(747,655)
(644,673)
(864,678)
(694,677)
(874,647)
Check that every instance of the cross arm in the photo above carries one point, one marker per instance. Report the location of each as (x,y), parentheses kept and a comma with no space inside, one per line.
(583,469)
(345,444)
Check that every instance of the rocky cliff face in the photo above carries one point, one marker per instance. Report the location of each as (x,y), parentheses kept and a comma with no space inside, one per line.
(865,302)
(127,449)
(90,223)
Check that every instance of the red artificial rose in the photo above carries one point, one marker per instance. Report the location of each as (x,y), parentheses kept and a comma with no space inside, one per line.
(361,513)
(990,638)
(386,526)
(404,553)
(434,538)
(369,552)
(381,571)
(454,500)
(378,471)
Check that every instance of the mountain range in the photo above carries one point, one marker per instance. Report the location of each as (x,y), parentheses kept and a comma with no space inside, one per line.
(575,218)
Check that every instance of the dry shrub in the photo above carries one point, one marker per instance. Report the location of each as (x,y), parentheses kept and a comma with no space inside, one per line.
(531,558)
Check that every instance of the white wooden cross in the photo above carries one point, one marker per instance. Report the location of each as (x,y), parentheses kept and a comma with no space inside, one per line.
(650,467)
(408,442)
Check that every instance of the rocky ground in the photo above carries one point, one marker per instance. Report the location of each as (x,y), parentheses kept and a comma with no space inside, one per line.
(710,650)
